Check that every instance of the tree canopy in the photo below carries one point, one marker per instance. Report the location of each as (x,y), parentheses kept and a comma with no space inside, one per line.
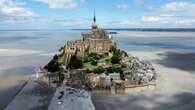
(53,65)
(75,62)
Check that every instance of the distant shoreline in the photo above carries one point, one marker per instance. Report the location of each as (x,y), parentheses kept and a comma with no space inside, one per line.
(111,29)
(147,29)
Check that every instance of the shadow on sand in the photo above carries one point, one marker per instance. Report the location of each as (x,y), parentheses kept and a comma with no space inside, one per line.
(183,61)
(182,101)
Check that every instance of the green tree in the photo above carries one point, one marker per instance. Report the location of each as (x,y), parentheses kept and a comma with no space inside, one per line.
(115,59)
(99,70)
(115,68)
(87,70)
(75,62)
(53,65)
(94,62)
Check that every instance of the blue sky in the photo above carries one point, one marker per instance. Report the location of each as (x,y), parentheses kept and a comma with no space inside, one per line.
(66,14)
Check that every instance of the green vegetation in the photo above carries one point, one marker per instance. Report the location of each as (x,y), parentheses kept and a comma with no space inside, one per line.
(87,71)
(94,62)
(99,70)
(117,56)
(89,57)
(75,62)
(91,62)
(115,59)
(53,65)
(111,63)
(114,68)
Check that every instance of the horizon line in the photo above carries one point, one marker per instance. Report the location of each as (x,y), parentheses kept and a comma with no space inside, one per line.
(117,29)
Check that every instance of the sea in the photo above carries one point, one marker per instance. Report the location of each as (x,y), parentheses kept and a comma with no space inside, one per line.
(22,52)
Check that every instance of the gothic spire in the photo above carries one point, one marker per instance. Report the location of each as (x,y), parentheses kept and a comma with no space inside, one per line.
(94,18)
(94,26)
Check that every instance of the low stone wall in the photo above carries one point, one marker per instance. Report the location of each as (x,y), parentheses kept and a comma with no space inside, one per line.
(101,91)
(140,88)
(130,89)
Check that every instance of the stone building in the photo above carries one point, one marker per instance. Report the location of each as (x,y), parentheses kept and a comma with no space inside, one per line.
(97,40)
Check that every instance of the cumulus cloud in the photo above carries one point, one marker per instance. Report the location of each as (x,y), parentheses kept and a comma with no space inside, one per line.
(186,22)
(172,14)
(120,23)
(168,19)
(160,18)
(73,22)
(179,6)
(61,4)
(13,8)
(123,6)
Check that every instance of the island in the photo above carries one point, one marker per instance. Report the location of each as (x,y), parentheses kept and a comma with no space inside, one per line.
(94,64)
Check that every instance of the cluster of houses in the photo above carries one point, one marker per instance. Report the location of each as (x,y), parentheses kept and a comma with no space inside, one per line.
(138,73)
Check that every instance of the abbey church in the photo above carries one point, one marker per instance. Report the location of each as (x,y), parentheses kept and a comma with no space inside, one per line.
(98,40)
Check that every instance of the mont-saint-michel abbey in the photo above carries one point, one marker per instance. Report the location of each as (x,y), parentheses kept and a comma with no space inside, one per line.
(98,41)
(95,60)
(94,63)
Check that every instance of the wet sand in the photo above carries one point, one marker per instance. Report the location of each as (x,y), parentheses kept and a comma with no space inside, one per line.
(35,95)
(9,87)
(175,88)
(182,61)
(14,72)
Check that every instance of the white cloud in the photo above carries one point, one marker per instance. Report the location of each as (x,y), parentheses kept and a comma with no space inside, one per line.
(61,4)
(120,23)
(122,6)
(168,19)
(161,19)
(150,19)
(185,22)
(73,22)
(179,6)
(13,8)
(172,14)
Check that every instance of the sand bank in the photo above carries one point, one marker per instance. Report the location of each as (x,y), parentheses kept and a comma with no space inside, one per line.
(17,52)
